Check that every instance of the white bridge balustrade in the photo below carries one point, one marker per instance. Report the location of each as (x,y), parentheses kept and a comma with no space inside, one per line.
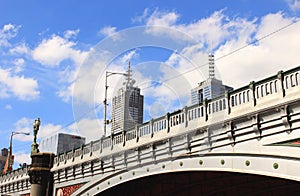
(254,124)
(15,181)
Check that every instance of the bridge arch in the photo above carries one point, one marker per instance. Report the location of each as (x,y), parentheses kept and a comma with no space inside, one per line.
(205,183)
(270,173)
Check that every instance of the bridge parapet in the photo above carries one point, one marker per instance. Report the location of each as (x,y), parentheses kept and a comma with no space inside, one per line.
(249,101)
(281,119)
(16,181)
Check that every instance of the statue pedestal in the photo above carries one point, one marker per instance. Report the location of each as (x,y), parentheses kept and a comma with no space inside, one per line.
(41,178)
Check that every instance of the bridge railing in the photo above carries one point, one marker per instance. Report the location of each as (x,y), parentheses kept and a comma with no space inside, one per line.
(15,181)
(159,125)
(96,146)
(131,135)
(247,99)
(144,130)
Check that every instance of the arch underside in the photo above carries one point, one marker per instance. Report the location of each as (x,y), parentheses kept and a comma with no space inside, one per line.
(210,175)
(205,183)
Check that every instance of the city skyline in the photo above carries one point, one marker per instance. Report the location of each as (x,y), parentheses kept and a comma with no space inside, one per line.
(44,47)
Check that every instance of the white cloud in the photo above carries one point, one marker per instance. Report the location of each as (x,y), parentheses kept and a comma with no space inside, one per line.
(8,107)
(25,125)
(68,34)
(67,81)
(189,63)
(119,65)
(66,92)
(91,129)
(19,86)
(169,94)
(110,32)
(219,31)
(128,56)
(158,18)
(276,52)
(19,62)
(92,70)
(159,24)
(49,129)
(270,23)
(7,32)
(210,31)
(68,78)
(20,48)
(21,157)
(141,18)
(51,52)
(294,4)
(225,35)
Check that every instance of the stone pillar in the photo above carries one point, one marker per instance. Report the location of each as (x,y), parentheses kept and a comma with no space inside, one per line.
(254,93)
(280,76)
(41,178)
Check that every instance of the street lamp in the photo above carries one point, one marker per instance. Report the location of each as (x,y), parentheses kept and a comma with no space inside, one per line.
(107,74)
(9,161)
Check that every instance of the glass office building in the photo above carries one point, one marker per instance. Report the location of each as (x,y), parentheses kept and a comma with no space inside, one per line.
(61,143)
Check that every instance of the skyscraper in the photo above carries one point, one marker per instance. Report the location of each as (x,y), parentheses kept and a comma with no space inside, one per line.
(127,106)
(210,88)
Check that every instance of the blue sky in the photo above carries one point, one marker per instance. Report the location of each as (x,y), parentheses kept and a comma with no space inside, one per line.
(53,55)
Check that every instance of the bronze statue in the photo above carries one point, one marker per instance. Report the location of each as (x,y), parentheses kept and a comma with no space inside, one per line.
(36,127)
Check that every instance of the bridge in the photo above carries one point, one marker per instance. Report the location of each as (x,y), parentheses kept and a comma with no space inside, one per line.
(246,140)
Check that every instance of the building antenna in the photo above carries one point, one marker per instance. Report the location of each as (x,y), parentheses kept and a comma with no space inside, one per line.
(211,63)
(129,80)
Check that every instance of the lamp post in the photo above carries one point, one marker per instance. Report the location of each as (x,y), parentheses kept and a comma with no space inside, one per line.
(40,176)
(107,74)
(8,165)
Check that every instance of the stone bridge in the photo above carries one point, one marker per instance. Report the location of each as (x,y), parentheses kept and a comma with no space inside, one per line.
(247,140)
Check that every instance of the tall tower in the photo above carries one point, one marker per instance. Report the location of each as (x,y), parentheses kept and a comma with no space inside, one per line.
(209,88)
(127,106)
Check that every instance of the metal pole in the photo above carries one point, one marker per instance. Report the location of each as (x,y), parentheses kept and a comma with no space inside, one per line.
(105,102)
(9,161)
(107,74)
(10,153)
